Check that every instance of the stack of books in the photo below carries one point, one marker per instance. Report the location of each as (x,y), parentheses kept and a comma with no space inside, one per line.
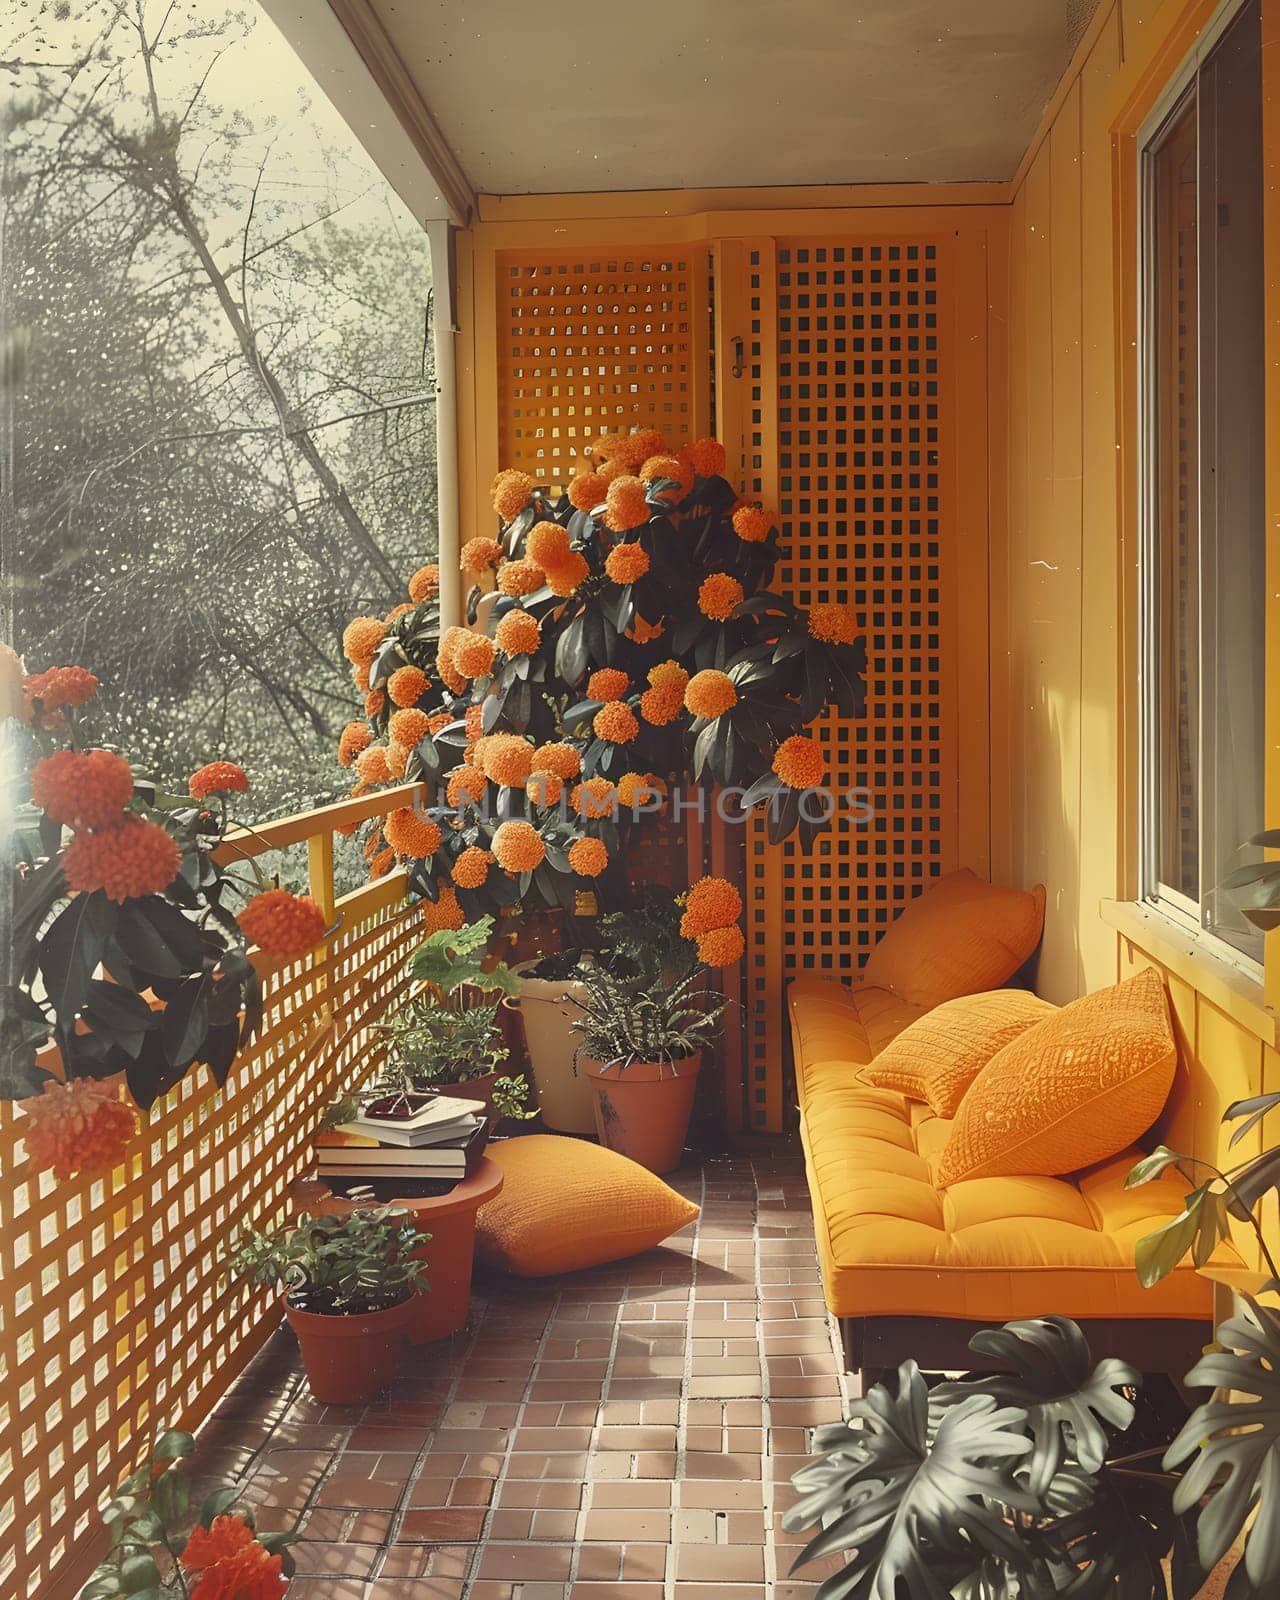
(442,1139)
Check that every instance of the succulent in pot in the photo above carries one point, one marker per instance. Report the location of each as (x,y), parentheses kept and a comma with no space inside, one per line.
(641,1046)
(349,1283)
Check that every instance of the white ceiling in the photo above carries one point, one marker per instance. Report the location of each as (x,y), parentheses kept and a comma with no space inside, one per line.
(545,96)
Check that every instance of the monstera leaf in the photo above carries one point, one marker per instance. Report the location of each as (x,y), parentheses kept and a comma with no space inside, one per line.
(1073,1408)
(921,1495)
(1234,1448)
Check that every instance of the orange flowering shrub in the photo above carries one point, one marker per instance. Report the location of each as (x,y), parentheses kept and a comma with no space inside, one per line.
(84,791)
(710,903)
(60,687)
(381,862)
(474,657)
(465,783)
(371,764)
(594,798)
(397,611)
(375,702)
(587,491)
(640,789)
(626,504)
(560,758)
(835,623)
(519,577)
(424,585)
(217,777)
(718,596)
(568,576)
(411,835)
(251,1574)
(126,860)
(507,759)
(710,693)
(518,847)
(615,723)
(407,685)
(675,469)
(706,457)
(588,857)
(408,727)
(518,634)
(361,637)
(222,1539)
(669,675)
(82,1126)
(472,867)
(753,523)
(659,707)
(283,925)
(511,491)
(397,760)
(799,762)
(443,913)
(544,789)
(480,555)
(721,947)
(626,563)
(548,544)
(608,683)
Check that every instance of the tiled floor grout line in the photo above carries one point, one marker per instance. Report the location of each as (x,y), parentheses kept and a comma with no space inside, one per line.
(682,1405)
(766,1416)
(588,1488)
(478,1548)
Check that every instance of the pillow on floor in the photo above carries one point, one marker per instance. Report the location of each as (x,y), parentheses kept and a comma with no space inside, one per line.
(566,1204)
(960,936)
(1072,1090)
(940,1054)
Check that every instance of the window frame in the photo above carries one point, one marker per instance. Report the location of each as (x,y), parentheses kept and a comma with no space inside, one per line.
(1184,913)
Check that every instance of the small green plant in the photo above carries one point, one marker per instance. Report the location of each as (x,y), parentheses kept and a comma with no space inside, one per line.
(510,1098)
(160,1548)
(338,1265)
(626,1019)
(645,942)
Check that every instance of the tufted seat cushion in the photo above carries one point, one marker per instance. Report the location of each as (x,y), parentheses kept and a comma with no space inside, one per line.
(891,1243)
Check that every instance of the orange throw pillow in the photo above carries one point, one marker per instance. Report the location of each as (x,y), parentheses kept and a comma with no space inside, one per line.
(960,936)
(566,1204)
(940,1054)
(1072,1090)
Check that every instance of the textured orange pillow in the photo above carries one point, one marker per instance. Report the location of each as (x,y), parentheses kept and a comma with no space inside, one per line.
(566,1204)
(960,936)
(940,1054)
(1074,1089)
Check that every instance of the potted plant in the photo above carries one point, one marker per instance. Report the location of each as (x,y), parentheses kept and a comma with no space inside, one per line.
(348,1283)
(1026,1484)
(159,1549)
(641,1048)
(447,1035)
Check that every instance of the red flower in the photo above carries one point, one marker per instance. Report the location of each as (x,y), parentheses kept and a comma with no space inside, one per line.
(82,1126)
(224,1538)
(281,924)
(250,1574)
(217,777)
(129,859)
(87,791)
(62,686)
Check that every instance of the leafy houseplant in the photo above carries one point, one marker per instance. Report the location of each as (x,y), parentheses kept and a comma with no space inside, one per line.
(627,636)
(641,1045)
(130,955)
(348,1283)
(159,1550)
(1023,1485)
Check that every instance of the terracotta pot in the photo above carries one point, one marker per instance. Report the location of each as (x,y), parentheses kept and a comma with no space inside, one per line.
(349,1359)
(642,1110)
(565,1097)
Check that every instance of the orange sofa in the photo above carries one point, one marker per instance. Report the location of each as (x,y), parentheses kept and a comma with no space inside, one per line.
(912,1270)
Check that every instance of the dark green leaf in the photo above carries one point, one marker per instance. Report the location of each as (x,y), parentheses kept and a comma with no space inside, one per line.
(1160,1159)
(70,951)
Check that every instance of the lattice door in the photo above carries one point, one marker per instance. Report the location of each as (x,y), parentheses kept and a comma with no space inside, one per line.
(589,340)
(849,411)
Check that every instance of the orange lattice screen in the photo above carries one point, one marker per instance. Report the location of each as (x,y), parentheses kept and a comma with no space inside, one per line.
(849,419)
(115,1316)
(590,340)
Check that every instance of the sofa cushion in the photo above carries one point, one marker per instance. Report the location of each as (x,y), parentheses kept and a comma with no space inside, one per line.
(836,1030)
(1070,1091)
(960,936)
(942,1052)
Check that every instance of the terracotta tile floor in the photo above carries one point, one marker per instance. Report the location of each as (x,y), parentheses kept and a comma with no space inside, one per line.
(628,1432)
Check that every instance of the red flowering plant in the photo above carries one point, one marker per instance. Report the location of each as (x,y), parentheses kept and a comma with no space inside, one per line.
(129,953)
(618,636)
(159,1548)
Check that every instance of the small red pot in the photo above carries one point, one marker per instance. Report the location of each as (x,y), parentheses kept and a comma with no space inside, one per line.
(349,1359)
(643,1108)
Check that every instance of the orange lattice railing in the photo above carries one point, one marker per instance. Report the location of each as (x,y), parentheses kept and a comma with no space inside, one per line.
(115,1315)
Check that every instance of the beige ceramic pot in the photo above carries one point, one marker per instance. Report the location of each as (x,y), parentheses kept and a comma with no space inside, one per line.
(564,1096)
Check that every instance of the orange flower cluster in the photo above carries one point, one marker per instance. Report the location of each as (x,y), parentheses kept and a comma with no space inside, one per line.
(472,867)
(834,623)
(397,760)
(638,789)
(474,656)
(410,835)
(81,1126)
(626,563)
(510,491)
(588,857)
(587,490)
(519,577)
(675,468)
(518,634)
(547,545)
(718,595)
(561,758)
(361,637)
(753,523)
(544,789)
(465,784)
(396,611)
(408,727)
(505,758)
(281,924)
(799,762)
(607,683)
(721,947)
(480,555)
(705,456)
(446,666)
(374,702)
(616,723)
(564,578)
(629,449)
(443,913)
(594,798)
(518,847)
(710,694)
(711,911)
(83,791)
(61,686)
(425,584)
(127,860)
(407,685)
(371,765)
(217,777)
(625,505)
